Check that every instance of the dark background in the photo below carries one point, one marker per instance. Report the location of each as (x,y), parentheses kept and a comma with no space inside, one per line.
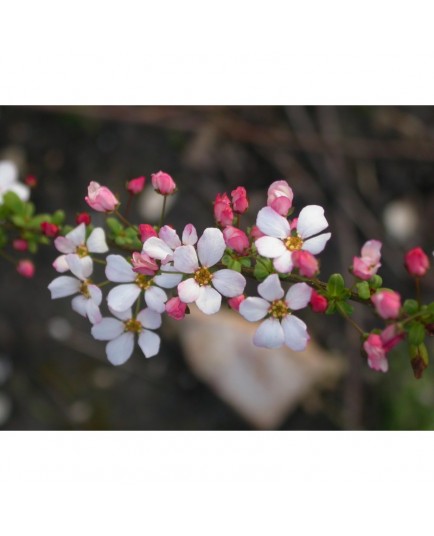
(357,162)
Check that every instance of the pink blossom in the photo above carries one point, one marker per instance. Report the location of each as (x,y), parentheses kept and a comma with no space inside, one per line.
(280,197)
(236,239)
(234,303)
(391,337)
(146,231)
(416,262)
(100,198)
(143,264)
(175,308)
(256,233)
(31,181)
(83,217)
(135,186)
(318,302)
(163,183)
(377,359)
(222,210)
(240,203)
(305,262)
(26,268)
(49,229)
(387,303)
(367,265)
(19,244)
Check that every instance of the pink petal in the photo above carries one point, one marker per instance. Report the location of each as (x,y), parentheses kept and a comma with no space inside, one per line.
(269,334)
(119,350)
(372,249)
(64,245)
(295,332)
(272,224)
(253,309)
(229,283)
(209,300)
(317,244)
(60,264)
(188,291)
(298,296)
(210,247)
(271,289)
(189,235)
(156,248)
(270,247)
(169,236)
(311,221)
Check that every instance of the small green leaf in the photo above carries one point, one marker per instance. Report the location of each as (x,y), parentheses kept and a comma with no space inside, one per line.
(416,334)
(246,262)
(226,260)
(411,307)
(331,309)
(236,265)
(345,307)
(376,281)
(114,225)
(363,290)
(263,269)
(58,217)
(336,286)
(12,202)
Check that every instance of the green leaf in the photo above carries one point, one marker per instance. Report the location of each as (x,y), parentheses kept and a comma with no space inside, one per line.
(236,265)
(12,202)
(246,262)
(376,281)
(58,217)
(114,225)
(363,290)
(416,334)
(411,307)
(226,260)
(263,268)
(345,307)
(336,286)
(331,309)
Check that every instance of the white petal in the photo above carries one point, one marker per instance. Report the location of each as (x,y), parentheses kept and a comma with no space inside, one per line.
(78,235)
(271,288)
(169,236)
(298,296)
(64,286)
(284,264)
(167,280)
(156,248)
(119,270)
(79,305)
(272,224)
(80,267)
(188,291)
(253,309)
(64,245)
(22,191)
(295,332)
(122,315)
(60,264)
(317,244)
(96,242)
(210,247)
(122,297)
(8,173)
(185,259)
(311,221)
(155,299)
(229,283)
(149,319)
(209,300)
(107,329)
(95,294)
(270,247)
(189,235)
(119,350)
(269,334)
(149,342)
(92,312)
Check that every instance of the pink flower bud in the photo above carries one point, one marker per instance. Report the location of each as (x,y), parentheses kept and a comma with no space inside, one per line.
(318,303)
(135,186)
(163,183)
(31,181)
(387,303)
(26,268)
(83,217)
(236,239)
(189,235)
(143,264)
(146,231)
(390,337)
(222,210)
(416,262)
(234,303)
(175,308)
(240,202)
(100,198)
(49,229)
(377,359)
(367,265)
(19,244)
(256,233)
(305,262)
(280,197)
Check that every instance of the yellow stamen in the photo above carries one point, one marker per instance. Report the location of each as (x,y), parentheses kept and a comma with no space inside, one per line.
(203,276)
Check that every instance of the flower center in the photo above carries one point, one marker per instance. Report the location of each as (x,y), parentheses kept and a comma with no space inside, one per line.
(82,251)
(143,281)
(293,243)
(133,325)
(203,276)
(84,289)
(278,309)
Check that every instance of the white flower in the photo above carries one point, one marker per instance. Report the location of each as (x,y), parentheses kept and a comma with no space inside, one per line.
(75,242)
(162,248)
(88,302)
(210,249)
(281,326)
(280,242)
(120,332)
(9,181)
(122,297)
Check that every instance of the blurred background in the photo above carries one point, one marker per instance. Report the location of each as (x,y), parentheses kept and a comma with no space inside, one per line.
(371,168)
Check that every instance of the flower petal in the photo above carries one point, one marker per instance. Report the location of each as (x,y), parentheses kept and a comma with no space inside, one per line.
(60,264)
(270,247)
(209,300)
(92,312)
(253,309)
(284,263)
(185,259)
(63,286)
(21,190)
(229,283)
(79,305)
(211,246)
(8,173)
(295,332)
(188,291)
(311,221)
(149,342)
(96,242)
(169,236)
(119,270)
(155,299)
(189,235)
(108,329)
(95,294)
(269,334)
(119,350)
(317,244)
(156,248)
(298,296)
(122,315)
(272,224)
(64,245)
(271,289)
(149,319)
(122,297)
(77,236)
(167,280)
(80,267)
